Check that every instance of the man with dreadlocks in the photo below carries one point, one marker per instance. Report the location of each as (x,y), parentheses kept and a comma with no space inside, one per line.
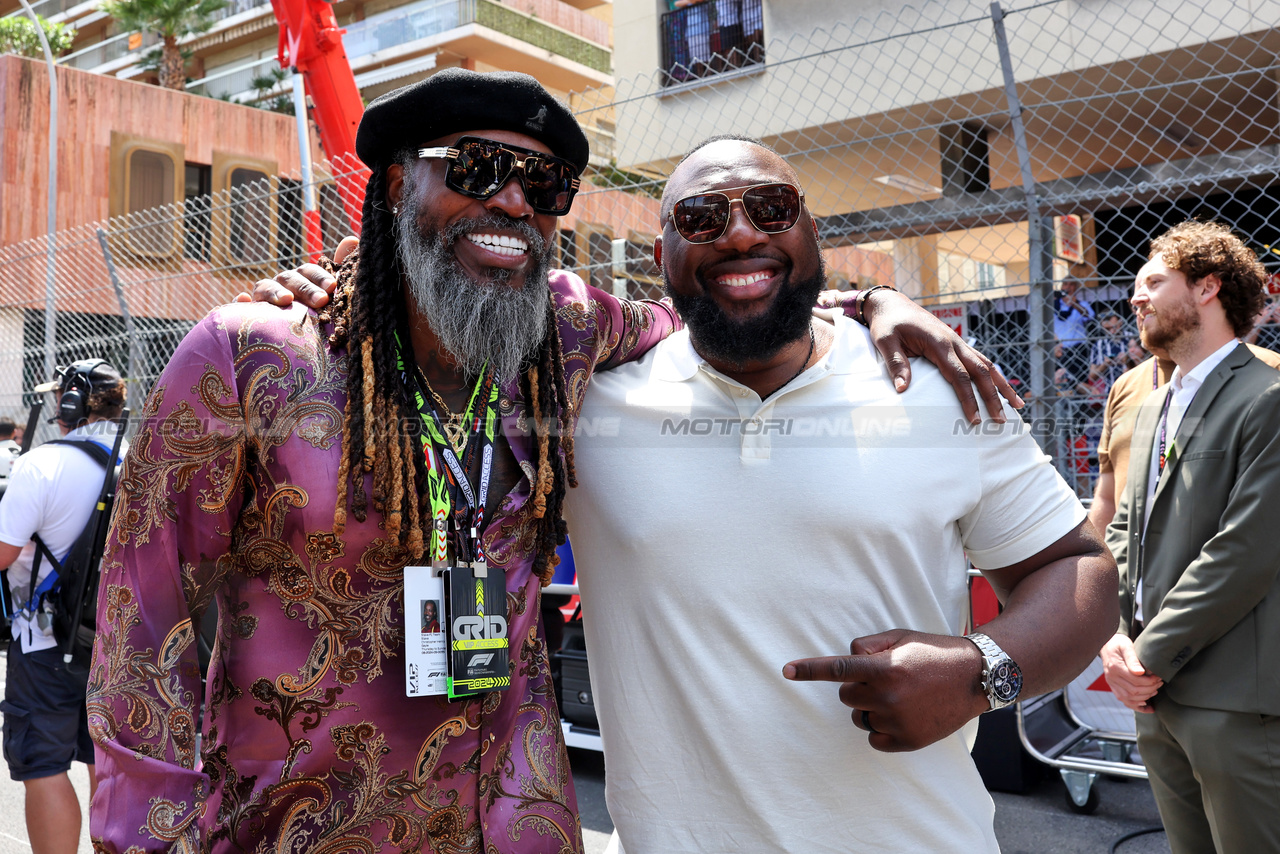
(289,469)
(284,472)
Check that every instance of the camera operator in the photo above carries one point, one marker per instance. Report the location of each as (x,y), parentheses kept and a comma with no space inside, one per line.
(52,491)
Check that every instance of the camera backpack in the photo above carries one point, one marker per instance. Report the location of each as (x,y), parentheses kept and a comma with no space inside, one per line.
(71,589)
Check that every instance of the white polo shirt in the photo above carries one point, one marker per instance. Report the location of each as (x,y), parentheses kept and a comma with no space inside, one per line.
(718,536)
(51,492)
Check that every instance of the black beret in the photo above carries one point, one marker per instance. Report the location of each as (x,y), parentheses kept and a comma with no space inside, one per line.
(455,100)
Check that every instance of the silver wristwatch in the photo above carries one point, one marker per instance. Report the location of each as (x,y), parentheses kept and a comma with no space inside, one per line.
(1001,675)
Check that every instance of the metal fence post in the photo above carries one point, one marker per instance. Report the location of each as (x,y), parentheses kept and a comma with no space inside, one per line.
(132,373)
(51,264)
(1040,251)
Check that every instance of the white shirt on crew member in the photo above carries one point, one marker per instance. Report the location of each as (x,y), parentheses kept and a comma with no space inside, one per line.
(51,492)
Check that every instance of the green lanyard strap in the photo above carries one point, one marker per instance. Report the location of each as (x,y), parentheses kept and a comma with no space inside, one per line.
(448,487)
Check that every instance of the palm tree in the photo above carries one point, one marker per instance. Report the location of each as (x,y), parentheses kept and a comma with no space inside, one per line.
(169,19)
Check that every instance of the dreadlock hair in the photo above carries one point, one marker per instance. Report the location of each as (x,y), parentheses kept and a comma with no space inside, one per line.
(381,427)
(543,385)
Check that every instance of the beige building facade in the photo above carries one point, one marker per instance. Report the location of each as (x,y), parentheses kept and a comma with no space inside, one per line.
(900,121)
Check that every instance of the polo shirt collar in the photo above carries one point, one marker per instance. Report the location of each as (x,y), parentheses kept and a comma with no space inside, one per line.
(676,361)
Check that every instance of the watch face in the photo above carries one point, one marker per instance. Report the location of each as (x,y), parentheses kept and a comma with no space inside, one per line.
(1006,681)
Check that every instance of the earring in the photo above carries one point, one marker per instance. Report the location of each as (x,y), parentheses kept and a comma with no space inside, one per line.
(395,211)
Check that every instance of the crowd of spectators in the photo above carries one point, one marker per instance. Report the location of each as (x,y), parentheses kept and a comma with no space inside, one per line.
(1094,347)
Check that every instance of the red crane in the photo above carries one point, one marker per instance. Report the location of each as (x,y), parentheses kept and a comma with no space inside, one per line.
(311,44)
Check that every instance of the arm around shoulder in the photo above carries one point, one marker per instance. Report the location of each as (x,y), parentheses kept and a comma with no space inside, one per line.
(610,329)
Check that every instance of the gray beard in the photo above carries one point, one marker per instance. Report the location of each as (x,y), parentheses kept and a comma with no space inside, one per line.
(489,323)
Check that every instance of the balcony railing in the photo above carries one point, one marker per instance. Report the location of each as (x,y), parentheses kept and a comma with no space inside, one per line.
(548,24)
(235,7)
(89,58)
(235,80)
(565,17)
(406,24)
(50,8)
(710,38)
(114,47)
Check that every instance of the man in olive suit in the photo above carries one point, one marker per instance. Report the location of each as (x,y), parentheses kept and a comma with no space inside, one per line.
(1197,653)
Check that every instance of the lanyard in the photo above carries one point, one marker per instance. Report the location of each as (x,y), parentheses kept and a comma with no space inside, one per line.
(448,487)
(1164,426)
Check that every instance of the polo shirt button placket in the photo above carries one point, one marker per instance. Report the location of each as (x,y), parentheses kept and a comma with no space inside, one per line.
(755,444)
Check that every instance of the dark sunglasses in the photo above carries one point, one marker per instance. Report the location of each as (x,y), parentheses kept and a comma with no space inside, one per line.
(771,208)
(480,167)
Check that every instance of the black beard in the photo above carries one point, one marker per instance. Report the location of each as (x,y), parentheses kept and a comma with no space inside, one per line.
(717,336)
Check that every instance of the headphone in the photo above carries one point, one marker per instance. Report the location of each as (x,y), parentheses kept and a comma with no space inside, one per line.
(76,388)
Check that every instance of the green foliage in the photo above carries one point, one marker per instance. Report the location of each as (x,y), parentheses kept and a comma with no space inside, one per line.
(152,56)
(632,182)
(265,85)
(166,18)
(18,35)
(171,20)
(528,29)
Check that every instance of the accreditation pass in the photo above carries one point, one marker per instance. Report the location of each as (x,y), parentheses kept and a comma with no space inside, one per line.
(426,659)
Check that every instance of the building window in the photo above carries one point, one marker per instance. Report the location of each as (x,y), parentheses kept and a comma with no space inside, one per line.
(244,225)
(150,180)
(250,216)
(567,250)
(199,186)
(145,182)
(710,37)
(595,247)
(965,158)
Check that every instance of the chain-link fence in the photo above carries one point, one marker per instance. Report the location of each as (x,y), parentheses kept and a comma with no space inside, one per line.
(128,289)
(1005,165)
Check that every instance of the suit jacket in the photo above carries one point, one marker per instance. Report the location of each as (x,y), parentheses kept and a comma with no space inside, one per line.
(1210,562)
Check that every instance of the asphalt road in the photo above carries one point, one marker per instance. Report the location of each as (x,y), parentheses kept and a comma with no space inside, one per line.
(1036,822)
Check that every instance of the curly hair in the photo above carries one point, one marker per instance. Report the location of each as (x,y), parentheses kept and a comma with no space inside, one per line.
(381,428)
(1199,249)
(107,402)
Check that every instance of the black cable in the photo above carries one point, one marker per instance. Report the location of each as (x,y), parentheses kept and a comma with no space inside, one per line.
(1159,828)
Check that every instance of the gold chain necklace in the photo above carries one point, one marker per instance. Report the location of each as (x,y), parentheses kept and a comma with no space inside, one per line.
(454,430)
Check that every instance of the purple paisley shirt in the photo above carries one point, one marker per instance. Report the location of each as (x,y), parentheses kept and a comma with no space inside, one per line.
(309,743)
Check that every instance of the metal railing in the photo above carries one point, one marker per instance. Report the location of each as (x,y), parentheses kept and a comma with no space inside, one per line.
(46,8)
(236,80)
(565,17)
(710,38)
(113,47)
(235,7)
(406,24)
